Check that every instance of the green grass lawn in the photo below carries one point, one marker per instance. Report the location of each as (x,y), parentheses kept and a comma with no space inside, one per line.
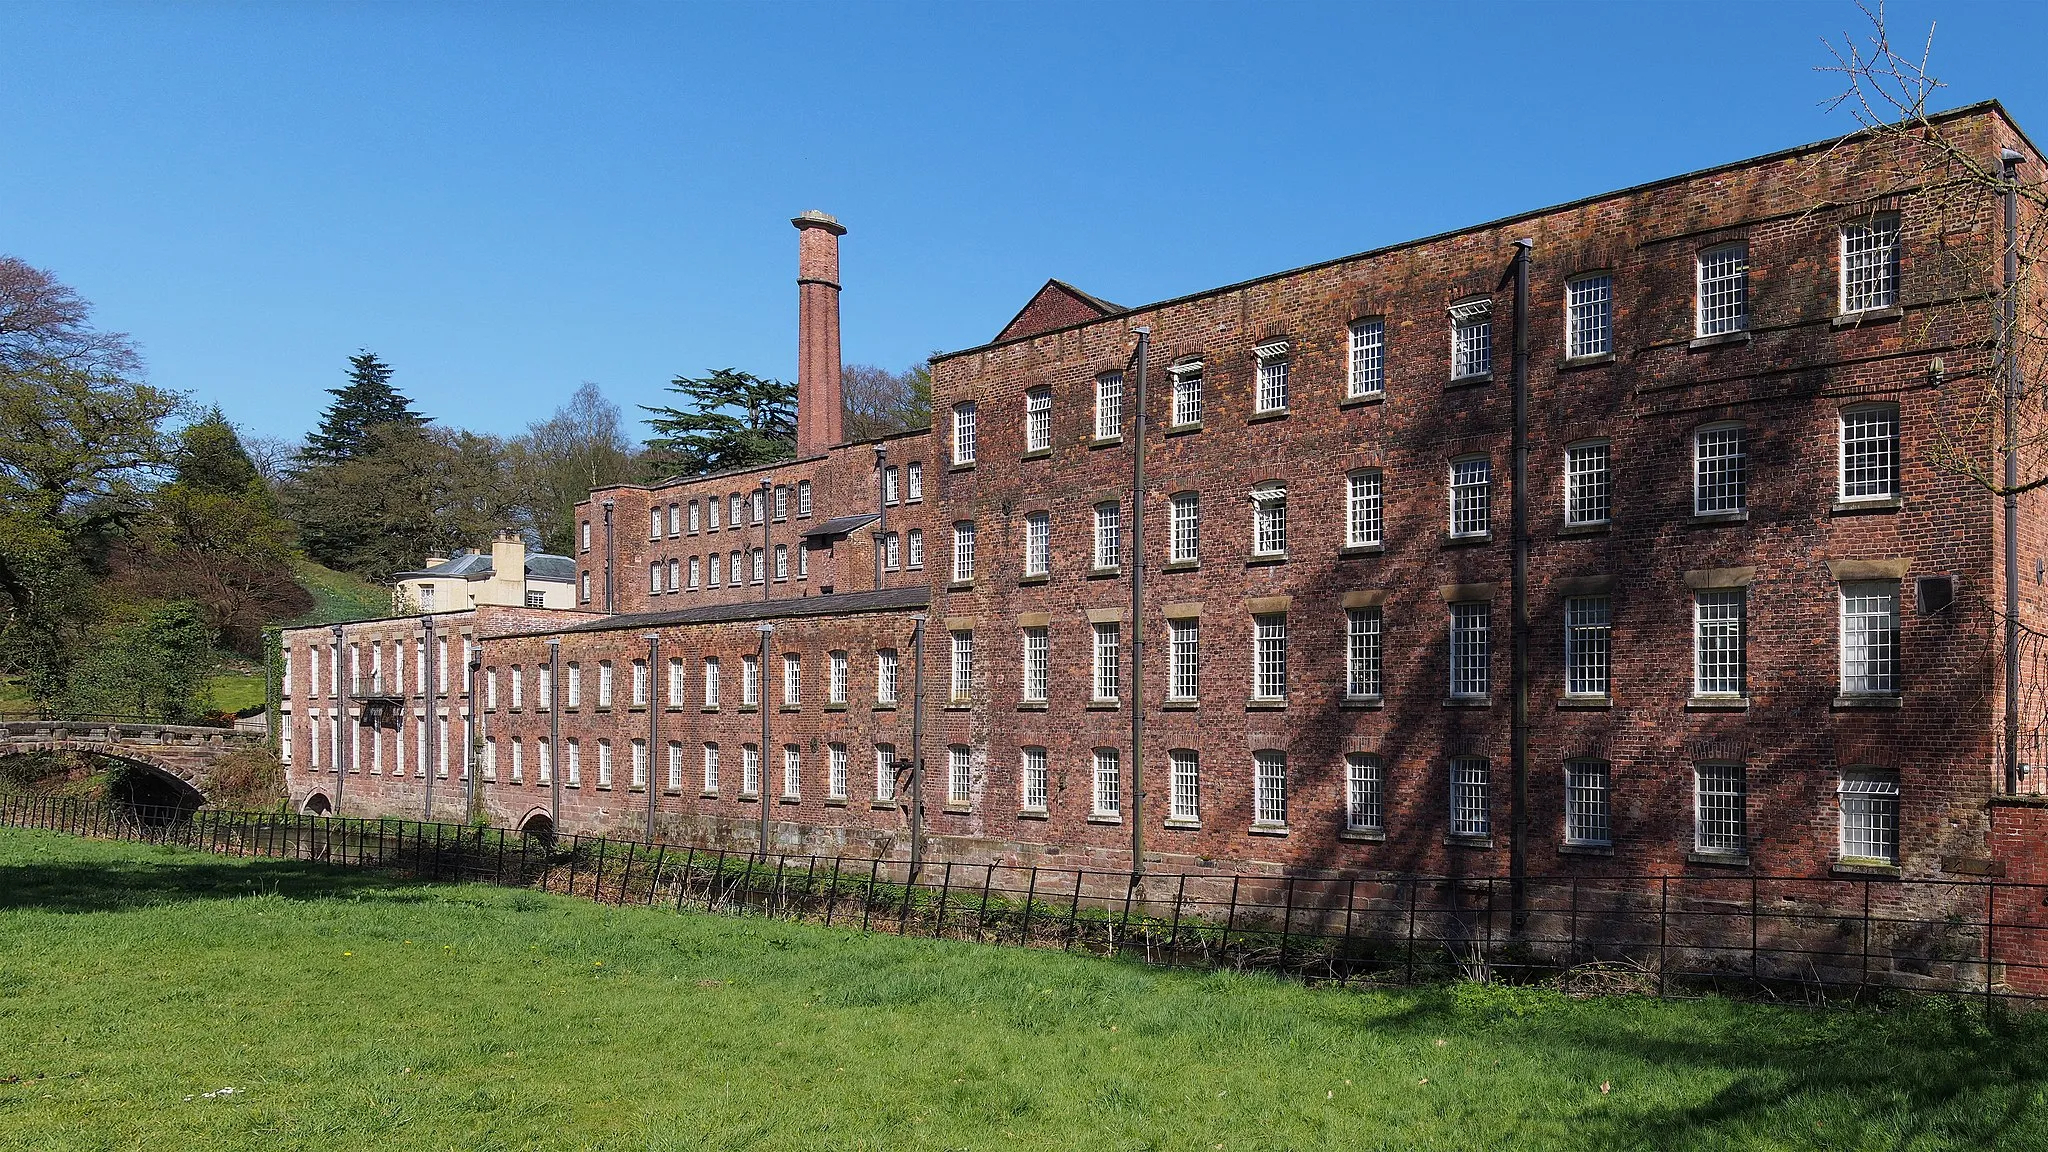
(339,596)
(349,1011)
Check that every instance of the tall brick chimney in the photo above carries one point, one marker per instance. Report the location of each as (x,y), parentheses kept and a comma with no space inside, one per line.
(817,340)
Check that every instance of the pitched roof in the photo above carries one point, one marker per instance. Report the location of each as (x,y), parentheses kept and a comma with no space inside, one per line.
(835,604)
(474,565)
(839,525)
(1056,305)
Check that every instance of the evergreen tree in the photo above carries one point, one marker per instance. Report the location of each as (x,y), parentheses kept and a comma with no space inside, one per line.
(365,402)
(210,458)
(732,419)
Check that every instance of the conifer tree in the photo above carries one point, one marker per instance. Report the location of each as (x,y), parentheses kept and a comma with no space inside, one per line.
(367,401)
(733,419)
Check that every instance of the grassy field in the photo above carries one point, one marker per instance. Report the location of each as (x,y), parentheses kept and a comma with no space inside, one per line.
(345,1010)
(339,596)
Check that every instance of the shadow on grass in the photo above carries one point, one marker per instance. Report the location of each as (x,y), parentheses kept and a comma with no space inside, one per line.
(118,885)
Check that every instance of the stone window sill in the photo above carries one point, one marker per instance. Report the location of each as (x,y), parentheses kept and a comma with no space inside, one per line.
(1180,705)
(1265,705)
(1031,706)
(636,708)
(1717,704)
(1730,859)
(959,705)
(1104,573)
(1183,429)
(1869,702)
(1262,417)
(1586,849)
(708,795)
(960,586)
(884,708)
(1575,363)
(1353,551)
(1362,401)
(1104,442)
(1364,703)
(1842,507)
(1182,825)
(835,707)
(1362,836)
(790,708)
(1266,559)
(1868,316)
(1451,541)
(1466,381)
(952,809)
(671,791)
(883,806)
(1468,701)
(1182,566)
(786,798)
(1267,830)
(1037,454)
(1456,841)
(835,802)
(1740,516)
(1598,528)
(1742,337)
(1104,705)
(1028,581)
(1599,703)
(962,466)
(1854,866)
(1031,814)
(1099,818)
(749,708)
(709,708)
(748,798)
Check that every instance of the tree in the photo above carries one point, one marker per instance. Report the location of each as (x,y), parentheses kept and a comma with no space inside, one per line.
(210,457)
(411,491)
(878,402)
(559,460)
(154,660)
(732,419)
(367,401)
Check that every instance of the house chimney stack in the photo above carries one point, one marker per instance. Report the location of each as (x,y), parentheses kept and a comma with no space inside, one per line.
(817,341)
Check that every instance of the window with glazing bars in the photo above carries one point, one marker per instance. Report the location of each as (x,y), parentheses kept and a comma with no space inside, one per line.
(1037,646)
(750,680)
(711,767)
(885,771)
(1187,394)
(1870,638)
(717,570)
(781,502)
(696,573)
(639,763)
(696,518)
(792,770)
(792,680)
(1470,813)
(1720,460)
(1870,263)
(1108,782)
(1587,637)
(1269,657)
(1109,535)
(1368,359)
(1870,452)
(1471,664)
(757,506)
(892,551)
(914,481)
(803,498)
(1032,798)
(1269,789)
(1586,818)
(653,580)
(575,684)
(835,683)
(733,573)
(1109,406)
(1037,543)
(1870,818)
(959,774)
(1272,390)
(1724,290)
(675,575)
(963,664)
(782,561)
(1589,316)
(1185,796)
(1718,660)
(711,682)
(639,683)
(1186,528)
(1269,520)
(1108,662)
(835,771)
(1362,509)
(759,564)
(1364,793)
(963,551)
(1587,485)
(963,434)
(892,484)
(654,523)
(1471,484)
(1471,339)
(1720,819)
(572,766)
(1038,420)
(675,766)
(1184,655)
(885,676)
(1362,652)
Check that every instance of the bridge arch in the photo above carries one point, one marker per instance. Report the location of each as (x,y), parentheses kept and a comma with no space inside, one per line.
(172,760)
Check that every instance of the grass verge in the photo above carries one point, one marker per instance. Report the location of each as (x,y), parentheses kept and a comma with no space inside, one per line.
(348,1010)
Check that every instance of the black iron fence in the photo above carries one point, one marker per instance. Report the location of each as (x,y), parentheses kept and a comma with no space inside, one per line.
(1807,937)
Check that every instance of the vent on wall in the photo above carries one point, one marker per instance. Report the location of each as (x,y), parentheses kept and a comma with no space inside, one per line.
(1935,594)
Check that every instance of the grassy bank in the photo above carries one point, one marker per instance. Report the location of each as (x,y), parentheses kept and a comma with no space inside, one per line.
(347,1011)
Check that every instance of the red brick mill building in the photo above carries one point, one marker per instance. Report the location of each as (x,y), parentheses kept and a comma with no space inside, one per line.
(1764,634)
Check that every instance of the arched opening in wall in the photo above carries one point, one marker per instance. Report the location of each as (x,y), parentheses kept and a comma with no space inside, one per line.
(146,792)
(317,805)
(152,796)
(538,824)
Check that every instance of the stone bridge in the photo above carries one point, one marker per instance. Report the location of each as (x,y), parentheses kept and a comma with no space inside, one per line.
(183,753)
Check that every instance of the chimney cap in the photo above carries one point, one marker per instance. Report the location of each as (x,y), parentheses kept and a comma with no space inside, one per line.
(816,219)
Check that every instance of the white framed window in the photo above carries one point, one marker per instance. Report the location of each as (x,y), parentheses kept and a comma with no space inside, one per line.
(1108,791)
(1032,769)
(1588,632)
(1870,638)
(1471,496)
(892,551)
(1870,452)
(1719,665)
(1185,800)
(959,774)
(885,771)
(803,497)
(792,680)
(759,563)
(1587,812)
(963,433)
(892,485)
(543,761)
(792,770)
(674,783)
(1184,657)
(750,770)
(675,519)
(1588,486)
(1368,376)
(584,591)
(750,681)
(1187,393)
(1471,339)
(517,680)
(835,771)
(1037,543)
(1471,814)
(604,684)
(585,541)
(885,676)
(1720,458)
(1185,528)
(1108,683)
(654,523)
(782,561)
(963,664)
(1109,406)
(639,683)
(639,766)
(654,578)
(711,682)
(1471,650)
(732,508)
(1870,263)
(711,510)
(1269,520)
(1109,536)
(1362,509)
(914,481)
(1038,420)
(1269,656)
(518,762)
(572,764)
(544,686)
(717,570)
(963,551)
(696,520)
(1589,316)
(1869,817)
(575,681)
(1271,394)
(1037,646)
(781,502)
(1723,290)
(711,767)
(1362,653)
(490,765)
(675,575)
(803,557)
(1365,801)
(757,506)
(1720,809)
(835,681)
(491,690)
(1269,789)
(734,575)
(675,682)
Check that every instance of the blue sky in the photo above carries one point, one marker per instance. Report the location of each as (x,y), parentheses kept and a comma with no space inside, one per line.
(505,200)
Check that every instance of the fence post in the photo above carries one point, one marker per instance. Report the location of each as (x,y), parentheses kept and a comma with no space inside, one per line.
(689,871)
(945,894)
(1286,921)
(988,877)
(1073,912)
(1173,937)
(1350,905)
(832,894)
(867,902)
(1230,921)
(626,876)
(1030,897)
(774,887)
